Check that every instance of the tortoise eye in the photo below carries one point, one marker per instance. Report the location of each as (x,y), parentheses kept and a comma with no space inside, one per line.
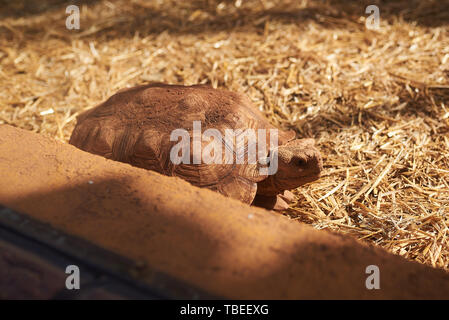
(301,162)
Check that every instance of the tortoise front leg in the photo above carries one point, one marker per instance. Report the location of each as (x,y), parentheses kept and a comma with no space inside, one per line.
(277,203)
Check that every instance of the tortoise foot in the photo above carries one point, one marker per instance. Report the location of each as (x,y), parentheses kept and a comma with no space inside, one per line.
(276,203)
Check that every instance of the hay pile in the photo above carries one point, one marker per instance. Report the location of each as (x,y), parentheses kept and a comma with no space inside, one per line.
(376,101)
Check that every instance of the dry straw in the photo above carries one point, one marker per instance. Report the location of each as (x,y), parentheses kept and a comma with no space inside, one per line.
(375,100)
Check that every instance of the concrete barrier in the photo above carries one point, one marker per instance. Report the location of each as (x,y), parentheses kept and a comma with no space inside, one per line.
(200,237)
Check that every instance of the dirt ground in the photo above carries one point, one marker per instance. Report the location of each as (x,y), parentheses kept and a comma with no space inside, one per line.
(375,100)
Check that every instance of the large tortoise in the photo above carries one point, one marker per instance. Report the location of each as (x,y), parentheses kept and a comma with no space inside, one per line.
(135,125)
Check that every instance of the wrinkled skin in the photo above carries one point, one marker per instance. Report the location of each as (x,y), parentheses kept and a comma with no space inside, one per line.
(299,162)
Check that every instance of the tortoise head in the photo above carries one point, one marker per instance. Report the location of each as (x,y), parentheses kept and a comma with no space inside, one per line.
(299,162)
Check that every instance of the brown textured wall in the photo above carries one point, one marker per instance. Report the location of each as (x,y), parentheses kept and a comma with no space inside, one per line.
(215,243)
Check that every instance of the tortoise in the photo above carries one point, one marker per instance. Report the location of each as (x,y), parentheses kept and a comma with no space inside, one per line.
(136,126)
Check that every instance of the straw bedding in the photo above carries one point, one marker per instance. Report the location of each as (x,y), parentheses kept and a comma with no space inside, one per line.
(376,101)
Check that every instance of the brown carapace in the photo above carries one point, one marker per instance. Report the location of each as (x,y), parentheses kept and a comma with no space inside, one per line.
(136,126)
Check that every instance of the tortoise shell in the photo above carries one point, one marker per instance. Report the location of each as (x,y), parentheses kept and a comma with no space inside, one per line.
(134,126)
